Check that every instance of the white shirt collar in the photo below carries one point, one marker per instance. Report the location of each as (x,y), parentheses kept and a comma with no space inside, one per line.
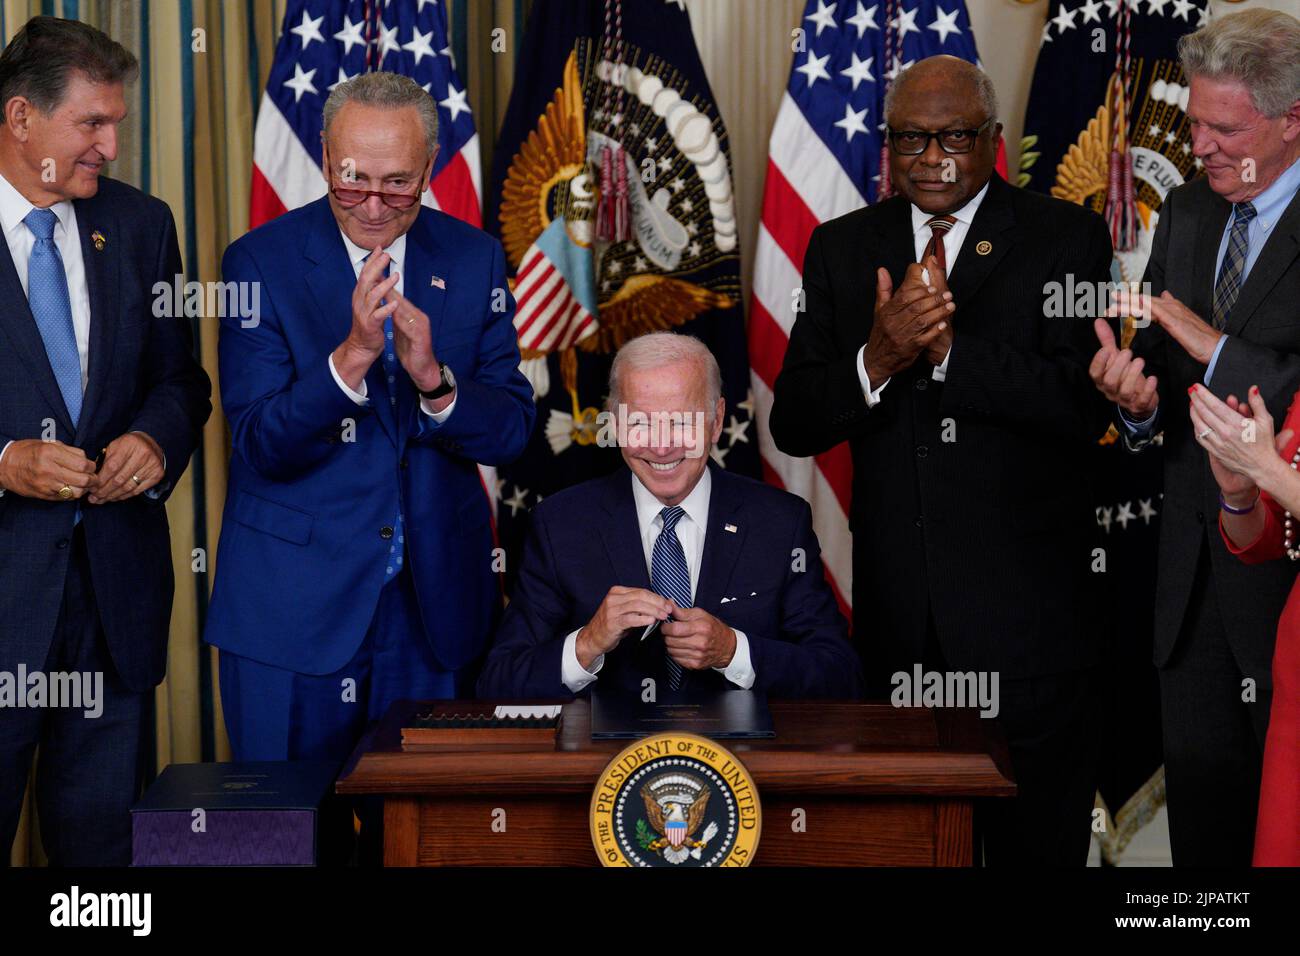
(14,207)
(357,255)
(695,504)
(966,214)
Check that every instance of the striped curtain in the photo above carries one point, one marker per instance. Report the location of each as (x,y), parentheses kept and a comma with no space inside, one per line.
(189,141)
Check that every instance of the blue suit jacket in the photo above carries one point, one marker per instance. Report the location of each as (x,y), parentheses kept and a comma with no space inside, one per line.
(142,376)
(314,477)
(586,539)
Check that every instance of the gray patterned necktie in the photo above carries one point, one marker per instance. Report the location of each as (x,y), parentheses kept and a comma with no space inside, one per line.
(671,577)
(1228,286)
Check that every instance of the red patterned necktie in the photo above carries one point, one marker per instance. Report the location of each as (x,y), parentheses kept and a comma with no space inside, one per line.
(939,226)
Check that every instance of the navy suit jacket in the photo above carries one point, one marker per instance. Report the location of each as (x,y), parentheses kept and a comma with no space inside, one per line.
(142,376)
(315,478)
(586,539)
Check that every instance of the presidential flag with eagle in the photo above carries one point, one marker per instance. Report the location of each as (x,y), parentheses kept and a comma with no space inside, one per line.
(612,196)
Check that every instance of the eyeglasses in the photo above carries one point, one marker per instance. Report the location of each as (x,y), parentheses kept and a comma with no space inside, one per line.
(912,142)
(354,197)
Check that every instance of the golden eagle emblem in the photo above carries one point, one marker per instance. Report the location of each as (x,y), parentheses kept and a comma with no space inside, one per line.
(575,290)
(676,804)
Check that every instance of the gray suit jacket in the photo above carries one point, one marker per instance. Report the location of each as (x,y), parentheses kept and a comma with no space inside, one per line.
(1263,349)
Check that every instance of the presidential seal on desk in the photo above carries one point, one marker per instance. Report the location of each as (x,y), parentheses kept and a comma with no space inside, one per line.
(675,799)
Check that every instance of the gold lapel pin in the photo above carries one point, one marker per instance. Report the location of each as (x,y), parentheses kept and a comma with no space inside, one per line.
(98,239)
(983,247)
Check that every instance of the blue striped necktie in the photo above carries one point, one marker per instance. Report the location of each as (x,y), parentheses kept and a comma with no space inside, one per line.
(1228,286)
(47,295)
(670,577)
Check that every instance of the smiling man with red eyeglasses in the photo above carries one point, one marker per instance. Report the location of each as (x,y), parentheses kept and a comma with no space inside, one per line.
(356,552)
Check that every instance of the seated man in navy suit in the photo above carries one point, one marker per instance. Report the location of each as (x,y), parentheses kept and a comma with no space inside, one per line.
(724,572)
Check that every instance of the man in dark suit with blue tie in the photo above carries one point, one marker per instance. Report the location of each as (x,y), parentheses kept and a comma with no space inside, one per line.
(356,563)
(101,406)
(727,570)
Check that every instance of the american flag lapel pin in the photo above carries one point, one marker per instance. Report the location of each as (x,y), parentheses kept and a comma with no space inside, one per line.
(731,528)
(97,238)
(438,282)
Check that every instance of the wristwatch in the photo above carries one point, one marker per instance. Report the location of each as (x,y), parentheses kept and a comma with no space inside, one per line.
(446,388)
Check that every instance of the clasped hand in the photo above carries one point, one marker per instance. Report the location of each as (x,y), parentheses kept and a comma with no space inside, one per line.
(375,299)
(909,320)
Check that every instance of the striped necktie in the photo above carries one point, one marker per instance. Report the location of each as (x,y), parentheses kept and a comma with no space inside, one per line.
(939,226)
(1228,286)
(670,577)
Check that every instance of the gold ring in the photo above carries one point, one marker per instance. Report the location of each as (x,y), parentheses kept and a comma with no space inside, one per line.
(65,492)
(136,479)
(410,320)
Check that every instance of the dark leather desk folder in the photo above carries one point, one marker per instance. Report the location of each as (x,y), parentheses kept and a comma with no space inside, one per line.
(722,715)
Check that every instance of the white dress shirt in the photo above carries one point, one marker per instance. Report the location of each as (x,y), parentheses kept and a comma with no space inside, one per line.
(397,256)
(951,247)
(691,532)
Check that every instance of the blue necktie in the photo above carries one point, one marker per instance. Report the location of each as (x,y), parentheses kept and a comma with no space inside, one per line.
(397,548)
(670,577)
(47,295)
(1228,287)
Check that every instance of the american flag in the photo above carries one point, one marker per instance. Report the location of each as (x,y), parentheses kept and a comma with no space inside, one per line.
(824,161)
(323,43)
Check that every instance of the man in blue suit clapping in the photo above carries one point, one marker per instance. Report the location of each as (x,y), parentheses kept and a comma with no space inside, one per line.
(670,570)
(356,558)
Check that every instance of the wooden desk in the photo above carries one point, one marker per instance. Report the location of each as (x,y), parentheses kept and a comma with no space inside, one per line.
(879,786)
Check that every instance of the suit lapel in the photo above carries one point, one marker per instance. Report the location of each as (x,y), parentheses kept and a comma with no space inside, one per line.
(331,282)
(722,547)
(1280,250)
(1209,232)
(991,230)
(621,534)
(894,240)
(20,326)
(102,277)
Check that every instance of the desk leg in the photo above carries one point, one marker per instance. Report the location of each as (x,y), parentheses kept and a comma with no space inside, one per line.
(401,831)
(952,824)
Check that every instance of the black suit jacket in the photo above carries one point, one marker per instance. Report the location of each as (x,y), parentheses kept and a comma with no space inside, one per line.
(987,533)
(586,539)
(142,377)
(1263,349)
